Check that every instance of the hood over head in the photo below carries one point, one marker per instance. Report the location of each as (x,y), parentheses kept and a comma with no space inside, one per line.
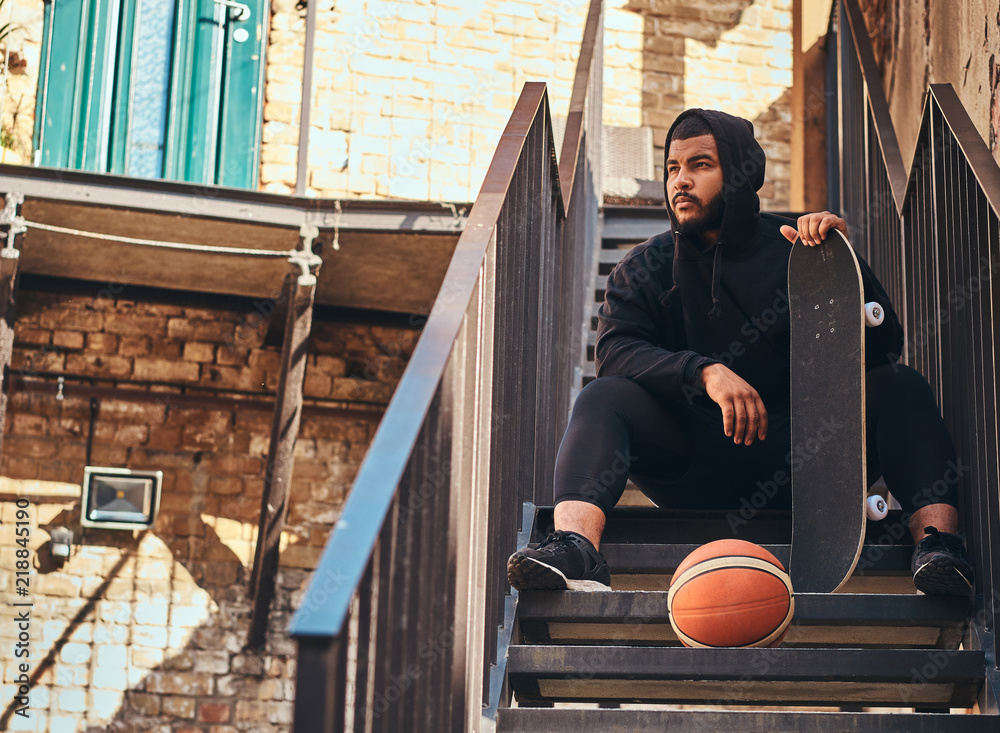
(743,162)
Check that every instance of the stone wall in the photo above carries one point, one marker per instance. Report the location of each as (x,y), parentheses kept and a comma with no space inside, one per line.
(22,51)
(145,631)
(917,44)
(410,98)
(733,55)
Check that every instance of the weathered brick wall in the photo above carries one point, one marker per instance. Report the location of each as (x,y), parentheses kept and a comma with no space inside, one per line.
(917,44)
(410,98)
(733,55)
(146,633)
(24,46)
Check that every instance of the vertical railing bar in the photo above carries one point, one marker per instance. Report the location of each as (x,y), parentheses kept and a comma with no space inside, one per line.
(991,541)
(482,462)
(317,683)
(436,601)
(384,618)
(447,686)
(973,348)
(963,254)
(407,629)
(988,577)
(946,258)
(366,592)
(978,481)
(448,623)
(448,683)
(547,313)
(935,258)
(866,195)
(416,597)
(340,660)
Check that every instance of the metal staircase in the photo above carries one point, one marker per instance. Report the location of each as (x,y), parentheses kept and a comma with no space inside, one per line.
(876,645)
(409,623)
(624,227)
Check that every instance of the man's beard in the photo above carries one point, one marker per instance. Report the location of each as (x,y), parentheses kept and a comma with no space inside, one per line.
(708,219)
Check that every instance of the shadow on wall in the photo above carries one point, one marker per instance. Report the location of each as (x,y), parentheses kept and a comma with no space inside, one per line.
(158,638)
(667,26)
(734,55)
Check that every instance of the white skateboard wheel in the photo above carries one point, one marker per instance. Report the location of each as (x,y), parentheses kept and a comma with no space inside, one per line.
(877,508)
(874,315)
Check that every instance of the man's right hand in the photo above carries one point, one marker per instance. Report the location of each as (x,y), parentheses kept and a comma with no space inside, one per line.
(743,413)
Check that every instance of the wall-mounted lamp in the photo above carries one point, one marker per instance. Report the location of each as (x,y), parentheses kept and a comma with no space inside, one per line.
(119,498)
(60,543)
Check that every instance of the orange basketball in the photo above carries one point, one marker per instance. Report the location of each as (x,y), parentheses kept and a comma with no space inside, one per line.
(730,593)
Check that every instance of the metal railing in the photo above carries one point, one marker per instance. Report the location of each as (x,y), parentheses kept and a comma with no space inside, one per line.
(398,630)
(933,236)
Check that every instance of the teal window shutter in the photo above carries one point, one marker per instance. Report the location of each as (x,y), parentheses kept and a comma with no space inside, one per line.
(153,88)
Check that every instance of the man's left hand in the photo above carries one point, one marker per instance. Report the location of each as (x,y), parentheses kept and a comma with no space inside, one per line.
(813,228)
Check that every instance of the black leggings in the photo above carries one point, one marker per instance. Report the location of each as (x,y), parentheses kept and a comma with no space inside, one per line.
(678,455)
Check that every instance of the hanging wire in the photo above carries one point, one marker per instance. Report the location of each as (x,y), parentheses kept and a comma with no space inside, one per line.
(208,248)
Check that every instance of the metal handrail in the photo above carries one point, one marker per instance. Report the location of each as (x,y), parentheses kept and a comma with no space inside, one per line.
(878,104)
(523,239)
(349,550)
(579,102)
(940,246)
(971,143)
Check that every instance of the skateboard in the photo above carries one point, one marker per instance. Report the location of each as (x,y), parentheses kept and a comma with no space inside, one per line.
(830,503)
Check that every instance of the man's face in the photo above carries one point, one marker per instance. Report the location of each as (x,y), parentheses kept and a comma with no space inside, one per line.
(694,184)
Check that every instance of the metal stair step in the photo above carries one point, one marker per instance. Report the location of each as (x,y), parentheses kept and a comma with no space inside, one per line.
(839,619)
(816,677)
(574,720)
(634,224)
(637,558)
(633,544)
(651,526)
(611,256)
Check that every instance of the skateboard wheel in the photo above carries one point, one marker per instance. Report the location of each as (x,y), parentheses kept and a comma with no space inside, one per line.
(874,315)
(877,508)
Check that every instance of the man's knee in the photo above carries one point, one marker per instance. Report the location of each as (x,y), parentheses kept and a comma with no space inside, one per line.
(899,382)
(609,391)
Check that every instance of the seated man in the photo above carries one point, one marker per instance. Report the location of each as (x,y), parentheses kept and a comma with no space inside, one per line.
(692,396)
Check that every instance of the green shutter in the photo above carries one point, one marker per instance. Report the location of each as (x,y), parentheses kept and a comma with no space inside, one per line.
(75,52)
(238,155)
(86,89)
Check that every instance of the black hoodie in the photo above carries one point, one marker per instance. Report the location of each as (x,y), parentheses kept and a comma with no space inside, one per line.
(672,308)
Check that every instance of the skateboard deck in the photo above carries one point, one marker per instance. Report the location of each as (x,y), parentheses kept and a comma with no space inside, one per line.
(829,488)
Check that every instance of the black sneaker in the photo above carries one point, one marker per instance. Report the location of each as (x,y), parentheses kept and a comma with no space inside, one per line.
(562,561)
(940,565)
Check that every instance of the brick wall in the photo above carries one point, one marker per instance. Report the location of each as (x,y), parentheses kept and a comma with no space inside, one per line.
(18,98)
(733,55)
(410,98)
(146,632)
(917,44)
